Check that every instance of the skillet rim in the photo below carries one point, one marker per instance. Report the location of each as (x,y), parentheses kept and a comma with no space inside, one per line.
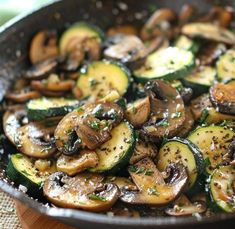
(63,214)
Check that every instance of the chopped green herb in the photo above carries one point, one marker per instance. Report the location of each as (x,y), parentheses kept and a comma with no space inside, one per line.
(94,196)
(133,168)
(153,191)
(176,115)
(95,125)
(163,123)
(149,173)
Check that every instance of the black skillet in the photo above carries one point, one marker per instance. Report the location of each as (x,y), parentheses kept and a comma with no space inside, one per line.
(14,42)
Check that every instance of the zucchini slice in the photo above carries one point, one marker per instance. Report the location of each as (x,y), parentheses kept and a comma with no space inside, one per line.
(211,116)
(225,66)
(101,77)
(169,64)
(76,33)
(116,153)
(201,79)
(39,109)
(213,142)
(181,150)
(185,43)
(23,170)
(221,188)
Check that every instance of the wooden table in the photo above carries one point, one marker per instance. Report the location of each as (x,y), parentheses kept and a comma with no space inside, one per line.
(30,219)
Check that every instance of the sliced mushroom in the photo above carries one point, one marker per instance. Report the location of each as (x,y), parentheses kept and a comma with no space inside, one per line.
(183,207)
(199,104)
(209,31)
(36,140)
(158,24)
(42,69)
(167,111)
(122,29)
(186,14)
(143,150)
(121,182)
(222,97)
(127,49)
(13,119)
(88,48)
(52,84)
(188,123)
(22,96)
(137,113)
(72,165)
(186,94)
(43,46)
(152,189)
(221,16)
(93,132)
(84,191)
(210,52)
(88,126)
(156,44)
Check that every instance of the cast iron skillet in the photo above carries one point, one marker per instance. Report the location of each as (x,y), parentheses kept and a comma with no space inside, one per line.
(14,41)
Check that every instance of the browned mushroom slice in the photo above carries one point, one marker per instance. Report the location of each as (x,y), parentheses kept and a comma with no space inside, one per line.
(52,84)
(167,111)
(88,48)
(158,24)
(143,150)
(122,210)
(93,132)
(156,44)
(221,16)
(209,31)
(13,119)
(128,49)
(72,165)
(43,46)
(222,97)
(137,113)
(36,140)
(188,123)
(88,126)
(42,69)
(152,189)
(84,191)
(122,29)
(186,14)
(199,104)
(211,52)
(184,207)
(22,95)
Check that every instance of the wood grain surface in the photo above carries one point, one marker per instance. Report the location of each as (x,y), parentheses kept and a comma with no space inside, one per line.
(30,219)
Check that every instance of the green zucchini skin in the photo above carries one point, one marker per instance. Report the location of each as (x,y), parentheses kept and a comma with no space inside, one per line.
(213,142)
(198,183)
(170,54)
(195,80)
(38,113)
(216,204)
(211,116)
(80,29)
(115,73)
(123,160)
(225,66)
(24,178)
